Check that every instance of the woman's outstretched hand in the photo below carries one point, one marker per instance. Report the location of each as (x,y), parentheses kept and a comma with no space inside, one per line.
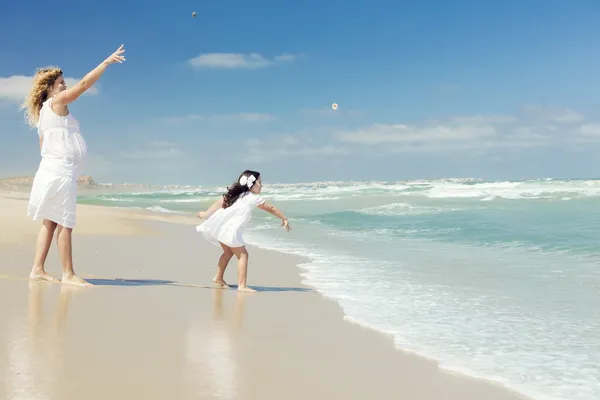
(201,215)
(286,225)
(116,57)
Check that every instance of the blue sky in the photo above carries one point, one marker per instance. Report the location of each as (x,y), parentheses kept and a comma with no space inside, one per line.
(426,89)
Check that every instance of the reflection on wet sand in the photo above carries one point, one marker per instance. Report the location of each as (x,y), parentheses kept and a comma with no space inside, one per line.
(211,365)
(35,346)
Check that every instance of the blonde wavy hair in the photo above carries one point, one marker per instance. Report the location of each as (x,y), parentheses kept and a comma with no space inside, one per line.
(43,80)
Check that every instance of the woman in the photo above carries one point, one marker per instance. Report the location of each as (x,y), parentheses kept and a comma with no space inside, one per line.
(54,192)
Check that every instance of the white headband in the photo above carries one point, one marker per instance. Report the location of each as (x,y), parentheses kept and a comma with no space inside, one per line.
(247,181)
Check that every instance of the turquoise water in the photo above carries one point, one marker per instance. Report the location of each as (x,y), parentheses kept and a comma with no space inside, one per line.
(494,279)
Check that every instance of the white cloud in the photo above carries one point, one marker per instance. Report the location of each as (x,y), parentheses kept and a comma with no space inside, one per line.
(238,60)
(286,145)
(285,57)
(590,129)
(14,89)
(532,126)
(552,114)
(161,143)
(243,117)
(400,133)
(149,160)
(327,111)
(155,150)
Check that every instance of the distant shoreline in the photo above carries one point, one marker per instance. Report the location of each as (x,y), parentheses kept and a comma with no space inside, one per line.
(86,181)
(87,185)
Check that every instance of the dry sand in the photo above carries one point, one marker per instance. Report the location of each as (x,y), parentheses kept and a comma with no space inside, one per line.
(153,328)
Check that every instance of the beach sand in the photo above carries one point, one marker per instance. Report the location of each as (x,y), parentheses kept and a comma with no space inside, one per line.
(153,328)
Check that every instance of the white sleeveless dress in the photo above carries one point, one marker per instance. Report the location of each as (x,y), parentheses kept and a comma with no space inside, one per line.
(64,153)
(227,225)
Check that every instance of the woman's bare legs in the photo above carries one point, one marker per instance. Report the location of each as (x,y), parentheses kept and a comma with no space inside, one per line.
(242,256)
(223,261)
(42,246)
(65,248)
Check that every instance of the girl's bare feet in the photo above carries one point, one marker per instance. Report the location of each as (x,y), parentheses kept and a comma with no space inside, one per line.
(74,280)
(245,289)
(221,282)
(41,275)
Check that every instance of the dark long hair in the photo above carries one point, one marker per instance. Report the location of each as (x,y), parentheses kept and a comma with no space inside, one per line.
(236,190)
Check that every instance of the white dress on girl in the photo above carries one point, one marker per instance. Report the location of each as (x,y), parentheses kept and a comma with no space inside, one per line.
(227,225)
(64,152)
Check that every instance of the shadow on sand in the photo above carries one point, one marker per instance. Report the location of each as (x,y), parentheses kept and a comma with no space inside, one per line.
(130,282)
(162,282)
(276,289)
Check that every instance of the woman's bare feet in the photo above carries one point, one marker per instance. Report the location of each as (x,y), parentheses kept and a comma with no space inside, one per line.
(245,289)
(41,275)
(74,280)
(221,282)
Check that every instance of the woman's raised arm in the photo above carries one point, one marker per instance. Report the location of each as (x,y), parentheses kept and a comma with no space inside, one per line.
(69,95)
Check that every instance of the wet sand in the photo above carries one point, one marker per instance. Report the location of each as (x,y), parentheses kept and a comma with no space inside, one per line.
(154,328)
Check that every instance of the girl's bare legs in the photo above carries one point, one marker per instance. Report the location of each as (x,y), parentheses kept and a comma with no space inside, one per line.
(242,256)
(223,261)
(65,248)
(42,246)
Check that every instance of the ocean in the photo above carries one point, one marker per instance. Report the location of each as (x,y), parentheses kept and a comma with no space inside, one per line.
(499,280)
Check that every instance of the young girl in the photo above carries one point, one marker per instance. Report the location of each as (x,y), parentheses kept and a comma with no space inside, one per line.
(229,217)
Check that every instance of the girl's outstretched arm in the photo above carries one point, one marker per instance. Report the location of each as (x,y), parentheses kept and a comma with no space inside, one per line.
(270,208)
(216,205)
